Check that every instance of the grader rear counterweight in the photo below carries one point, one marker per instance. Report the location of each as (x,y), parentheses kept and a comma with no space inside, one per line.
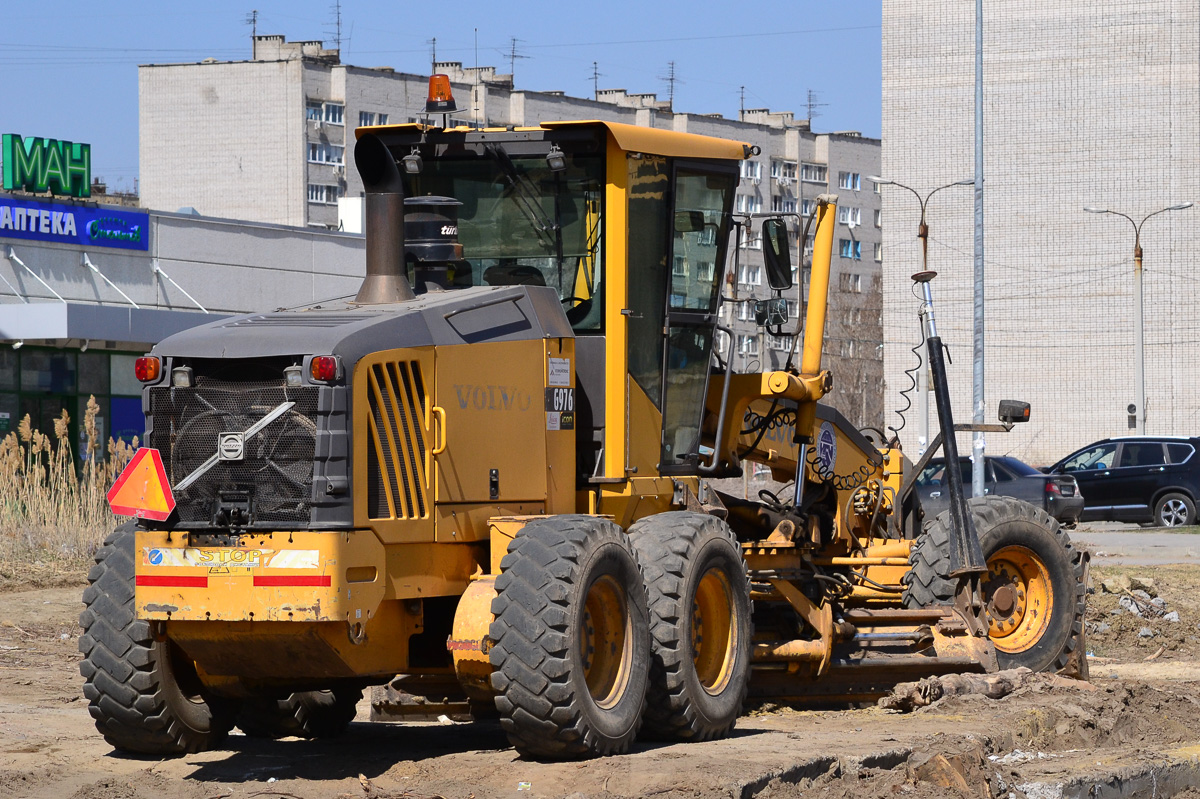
(484,481)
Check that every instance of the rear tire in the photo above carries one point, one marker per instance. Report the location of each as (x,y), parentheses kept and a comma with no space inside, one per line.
(1034,589)
(699,597)
(304,714)
(1174,510)
(143,694)
(571,643)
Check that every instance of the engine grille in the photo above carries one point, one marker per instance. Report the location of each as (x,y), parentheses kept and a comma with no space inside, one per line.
(397,480)
(277,466)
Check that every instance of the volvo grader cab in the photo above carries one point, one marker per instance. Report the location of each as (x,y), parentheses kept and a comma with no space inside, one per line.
(488,475)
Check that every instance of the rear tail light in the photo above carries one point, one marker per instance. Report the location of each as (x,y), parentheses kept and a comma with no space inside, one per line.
(1052,487)
(147,369)
(324,368)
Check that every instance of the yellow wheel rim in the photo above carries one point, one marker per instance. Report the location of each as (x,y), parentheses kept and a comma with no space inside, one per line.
(1018,597)
(604,645)
(714,631)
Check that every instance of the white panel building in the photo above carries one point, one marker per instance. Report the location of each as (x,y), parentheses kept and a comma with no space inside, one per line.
(1085,104)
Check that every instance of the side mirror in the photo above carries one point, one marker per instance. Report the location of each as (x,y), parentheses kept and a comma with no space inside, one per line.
(777,254)
(689,221)
(1013,411)
(771,313)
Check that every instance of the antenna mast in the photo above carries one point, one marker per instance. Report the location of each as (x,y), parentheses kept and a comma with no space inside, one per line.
(252,21)
(595,80)
(671,80)
(813,105)
(513,55)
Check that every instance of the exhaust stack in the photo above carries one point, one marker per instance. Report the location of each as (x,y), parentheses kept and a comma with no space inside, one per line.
(386,279)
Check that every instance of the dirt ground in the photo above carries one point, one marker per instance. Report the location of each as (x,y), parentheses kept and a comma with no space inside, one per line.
(1135,711)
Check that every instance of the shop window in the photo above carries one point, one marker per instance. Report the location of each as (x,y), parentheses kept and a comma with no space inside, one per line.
(122,379)
(93,373)
(48,371)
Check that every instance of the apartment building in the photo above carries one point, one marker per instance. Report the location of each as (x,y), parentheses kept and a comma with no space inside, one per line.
(271,139)
(1093,105)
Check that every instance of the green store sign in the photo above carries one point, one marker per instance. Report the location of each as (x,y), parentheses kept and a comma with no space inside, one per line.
(47,165)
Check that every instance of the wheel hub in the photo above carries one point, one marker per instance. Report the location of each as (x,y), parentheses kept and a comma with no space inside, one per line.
(1019,599)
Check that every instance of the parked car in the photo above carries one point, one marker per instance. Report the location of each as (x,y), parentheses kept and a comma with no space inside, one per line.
(1154,480)
(1004,476)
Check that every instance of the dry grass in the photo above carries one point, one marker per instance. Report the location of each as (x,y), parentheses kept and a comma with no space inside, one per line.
(53,511)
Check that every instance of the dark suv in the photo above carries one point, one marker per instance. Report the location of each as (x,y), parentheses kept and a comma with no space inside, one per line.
(1146,479)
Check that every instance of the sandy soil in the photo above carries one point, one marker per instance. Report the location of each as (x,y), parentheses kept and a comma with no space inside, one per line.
(1134,711)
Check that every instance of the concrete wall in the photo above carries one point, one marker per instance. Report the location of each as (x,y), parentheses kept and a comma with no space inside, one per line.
(1094,104)
(226,139)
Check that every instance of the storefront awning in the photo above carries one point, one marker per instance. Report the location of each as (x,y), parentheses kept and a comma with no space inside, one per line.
(39,321)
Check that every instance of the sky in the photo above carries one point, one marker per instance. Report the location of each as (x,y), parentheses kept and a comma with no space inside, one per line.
(72,74)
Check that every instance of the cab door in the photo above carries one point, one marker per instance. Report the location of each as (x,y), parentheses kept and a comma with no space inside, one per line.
(702,199)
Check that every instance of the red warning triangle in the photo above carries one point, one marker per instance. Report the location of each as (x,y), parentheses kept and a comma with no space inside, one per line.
(142,489)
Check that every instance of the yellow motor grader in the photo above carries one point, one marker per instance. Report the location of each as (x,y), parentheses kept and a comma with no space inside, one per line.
(488,474)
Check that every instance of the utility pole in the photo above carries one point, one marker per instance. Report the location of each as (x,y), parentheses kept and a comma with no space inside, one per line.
(977,399)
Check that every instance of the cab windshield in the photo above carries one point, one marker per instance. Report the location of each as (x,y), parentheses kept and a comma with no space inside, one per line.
(523,223)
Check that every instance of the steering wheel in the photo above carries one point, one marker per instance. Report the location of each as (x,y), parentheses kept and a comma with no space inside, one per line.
(576,300)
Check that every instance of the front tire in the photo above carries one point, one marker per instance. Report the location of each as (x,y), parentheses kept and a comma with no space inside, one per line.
(571,643)
(304,714)
(1033,590)
(143,694)
(1174,510)
(699,597)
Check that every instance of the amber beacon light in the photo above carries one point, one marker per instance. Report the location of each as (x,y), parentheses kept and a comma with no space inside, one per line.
(441,99)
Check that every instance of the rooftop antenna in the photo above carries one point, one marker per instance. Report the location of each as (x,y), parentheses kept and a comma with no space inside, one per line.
(595,80)
(671,81)
(252,21)
(742,104)
(336,8)
(813,105)
(433,54)
(513,55)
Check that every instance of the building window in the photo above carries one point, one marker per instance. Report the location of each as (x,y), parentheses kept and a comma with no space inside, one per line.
(312,110)
(851,283)
(750,240)
(745,311)
(334,113)
(748,345)
(705,272)
(878,253)
(850,216)
(750,274)
(814,173)
(779,343)
(326,195)
(722,341)
(849,180)
(793,309)
(783,171)
(807,207)
(878,218)
(680,269)
(321,153)
(368,118)
(752,170)
(848,248)
(748,205)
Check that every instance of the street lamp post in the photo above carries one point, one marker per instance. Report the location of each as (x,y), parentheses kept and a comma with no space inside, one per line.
(923,235)
(1138,324)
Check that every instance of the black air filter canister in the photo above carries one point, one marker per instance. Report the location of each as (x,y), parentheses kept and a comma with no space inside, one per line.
(431,240)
